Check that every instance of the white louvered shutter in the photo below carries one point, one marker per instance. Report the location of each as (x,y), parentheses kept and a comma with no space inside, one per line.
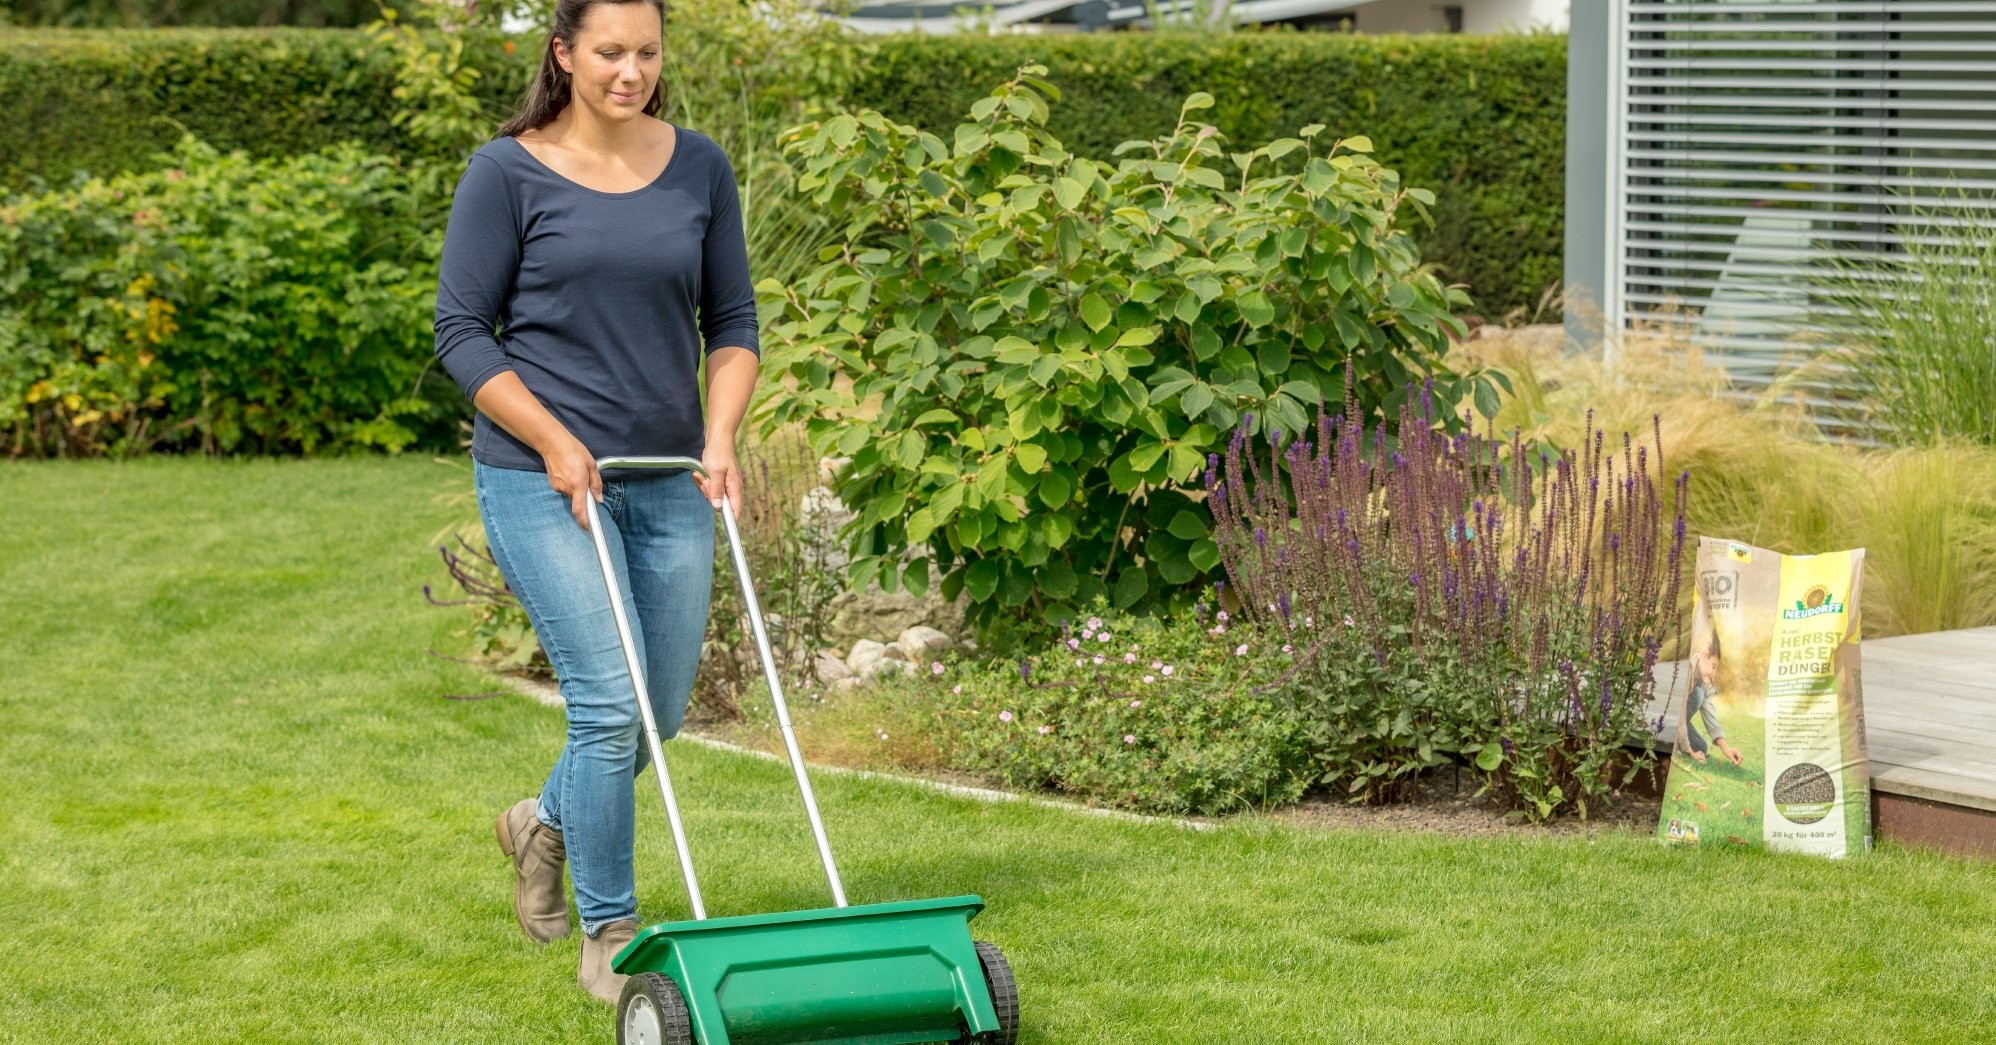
(1757,140)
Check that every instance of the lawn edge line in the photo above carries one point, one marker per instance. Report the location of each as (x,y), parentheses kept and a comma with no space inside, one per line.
(548,696)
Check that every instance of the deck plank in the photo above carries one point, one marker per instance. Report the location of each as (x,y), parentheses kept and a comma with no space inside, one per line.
(1930,714)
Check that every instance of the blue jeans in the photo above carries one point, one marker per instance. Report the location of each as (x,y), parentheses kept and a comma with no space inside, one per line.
(661,536)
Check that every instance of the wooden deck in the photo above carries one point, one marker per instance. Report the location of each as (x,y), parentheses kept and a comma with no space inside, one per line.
(1930,727)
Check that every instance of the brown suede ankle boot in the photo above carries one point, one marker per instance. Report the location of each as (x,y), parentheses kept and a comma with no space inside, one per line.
(594,973)
(538,856)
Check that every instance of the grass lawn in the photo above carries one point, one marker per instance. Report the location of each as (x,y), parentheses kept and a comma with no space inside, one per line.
(238,810)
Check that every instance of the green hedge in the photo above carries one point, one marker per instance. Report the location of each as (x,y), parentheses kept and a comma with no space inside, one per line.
(106,102)
(1478,119)
(1481,120)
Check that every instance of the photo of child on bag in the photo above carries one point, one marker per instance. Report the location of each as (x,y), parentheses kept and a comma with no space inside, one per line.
(1701,701)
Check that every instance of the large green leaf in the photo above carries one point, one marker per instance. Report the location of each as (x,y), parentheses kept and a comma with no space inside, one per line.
(981,579)
(1131,587)
(1055,486)
(1057,579)
(1188,525)
(1096,312)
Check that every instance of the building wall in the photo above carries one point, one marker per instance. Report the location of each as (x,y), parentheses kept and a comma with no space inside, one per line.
(1478,16)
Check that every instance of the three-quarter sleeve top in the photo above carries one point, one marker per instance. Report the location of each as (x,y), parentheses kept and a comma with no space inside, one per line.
(604,303)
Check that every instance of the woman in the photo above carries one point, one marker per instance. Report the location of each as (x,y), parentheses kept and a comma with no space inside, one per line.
(607,246)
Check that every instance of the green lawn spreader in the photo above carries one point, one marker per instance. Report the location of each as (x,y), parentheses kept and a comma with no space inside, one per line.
(876,974)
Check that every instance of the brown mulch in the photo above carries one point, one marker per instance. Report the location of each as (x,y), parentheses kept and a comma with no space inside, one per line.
(1445,805)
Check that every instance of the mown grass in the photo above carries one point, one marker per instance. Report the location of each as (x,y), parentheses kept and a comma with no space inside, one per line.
(237,809)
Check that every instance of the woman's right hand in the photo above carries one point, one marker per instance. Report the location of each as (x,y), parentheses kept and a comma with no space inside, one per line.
(572,473)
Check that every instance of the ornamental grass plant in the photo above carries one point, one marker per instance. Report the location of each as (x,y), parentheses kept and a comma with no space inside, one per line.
(1763,472)
(1915,331)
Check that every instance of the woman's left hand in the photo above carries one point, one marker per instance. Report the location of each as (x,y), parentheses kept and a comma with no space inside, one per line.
(724,477)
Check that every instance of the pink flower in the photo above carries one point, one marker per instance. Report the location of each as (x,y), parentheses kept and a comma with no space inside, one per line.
(1136,703)
(1240,650)
(1094,624)
(957,689)
(1156,664)
(1129,738)
(1077,662)
(1166,670)
(1004,716)
(936,668)
(1222,617)
(1349,623)
(1087,633)
(1073,643)
(1287,648)
(1044,730)
(1101,636)
(1098,658)
(1219,629)
(1129,658)
(1150,678)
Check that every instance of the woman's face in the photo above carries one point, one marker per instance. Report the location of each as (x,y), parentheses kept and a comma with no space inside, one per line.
(614,65)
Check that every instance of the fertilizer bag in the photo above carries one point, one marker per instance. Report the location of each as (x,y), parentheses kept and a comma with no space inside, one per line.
(1769,745)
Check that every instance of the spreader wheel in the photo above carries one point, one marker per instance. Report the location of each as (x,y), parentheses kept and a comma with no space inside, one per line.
(653,1012)
(1004,997)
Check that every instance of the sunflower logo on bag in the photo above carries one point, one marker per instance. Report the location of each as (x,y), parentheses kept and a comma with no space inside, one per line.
(1816,600)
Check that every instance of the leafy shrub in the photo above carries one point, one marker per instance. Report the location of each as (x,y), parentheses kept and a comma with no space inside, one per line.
(1480,119)
(1453,601)
(1159,716)
(223,305)
(1054,344)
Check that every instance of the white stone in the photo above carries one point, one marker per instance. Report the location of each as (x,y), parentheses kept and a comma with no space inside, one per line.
(865,654)
(830,668)
(923,638)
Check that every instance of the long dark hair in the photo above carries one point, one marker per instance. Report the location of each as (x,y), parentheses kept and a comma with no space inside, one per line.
(548,95)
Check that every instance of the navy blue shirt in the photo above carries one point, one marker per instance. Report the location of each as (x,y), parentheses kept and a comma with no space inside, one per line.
(603,301)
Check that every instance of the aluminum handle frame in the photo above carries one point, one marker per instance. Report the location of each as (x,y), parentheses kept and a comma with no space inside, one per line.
(636,669)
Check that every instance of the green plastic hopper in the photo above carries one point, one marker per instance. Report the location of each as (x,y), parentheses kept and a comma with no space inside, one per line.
(876,974)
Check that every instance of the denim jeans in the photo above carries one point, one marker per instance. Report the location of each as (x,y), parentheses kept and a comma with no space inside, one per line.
(660,530)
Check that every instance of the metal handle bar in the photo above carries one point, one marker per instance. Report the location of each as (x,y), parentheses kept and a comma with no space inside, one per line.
(644,700)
